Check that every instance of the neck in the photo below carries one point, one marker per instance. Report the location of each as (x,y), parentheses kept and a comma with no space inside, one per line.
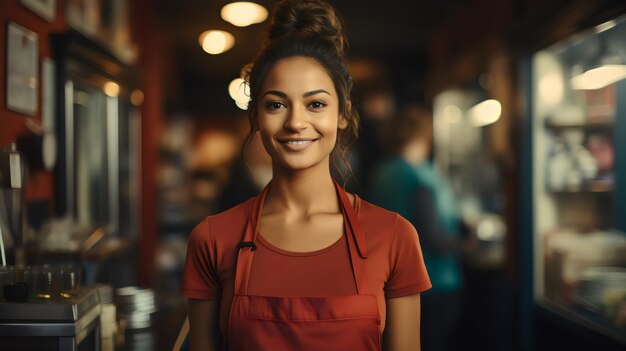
(303,191)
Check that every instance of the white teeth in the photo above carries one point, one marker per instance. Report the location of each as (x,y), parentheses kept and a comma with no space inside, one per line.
(298,142)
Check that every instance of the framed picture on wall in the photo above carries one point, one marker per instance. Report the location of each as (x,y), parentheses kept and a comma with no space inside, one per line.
(44,8)
(22,69)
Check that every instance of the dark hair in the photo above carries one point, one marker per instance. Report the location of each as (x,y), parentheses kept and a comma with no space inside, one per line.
(413,122)
(310,29)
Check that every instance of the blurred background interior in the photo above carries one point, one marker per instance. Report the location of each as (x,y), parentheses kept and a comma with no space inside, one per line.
(121,126)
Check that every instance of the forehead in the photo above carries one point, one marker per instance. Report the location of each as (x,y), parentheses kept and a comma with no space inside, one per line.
(296,75)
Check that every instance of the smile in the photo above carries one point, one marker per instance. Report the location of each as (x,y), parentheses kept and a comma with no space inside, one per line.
(296,144)
(296,140)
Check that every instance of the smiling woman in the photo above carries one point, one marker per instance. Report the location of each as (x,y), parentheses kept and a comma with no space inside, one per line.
(298,115)
(304,265)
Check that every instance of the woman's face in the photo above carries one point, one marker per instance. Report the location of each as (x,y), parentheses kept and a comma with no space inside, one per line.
(298,114)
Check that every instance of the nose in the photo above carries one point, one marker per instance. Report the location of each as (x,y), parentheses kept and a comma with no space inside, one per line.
(296,119)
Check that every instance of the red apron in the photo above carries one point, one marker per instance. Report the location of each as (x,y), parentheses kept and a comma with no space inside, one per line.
(346,322)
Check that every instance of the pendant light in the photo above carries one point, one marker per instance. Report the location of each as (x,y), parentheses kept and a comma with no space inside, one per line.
(243,13)
(239,90)
(216,42)
(485,113)
(605,68)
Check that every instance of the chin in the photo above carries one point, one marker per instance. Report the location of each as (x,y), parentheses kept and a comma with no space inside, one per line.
(300,165)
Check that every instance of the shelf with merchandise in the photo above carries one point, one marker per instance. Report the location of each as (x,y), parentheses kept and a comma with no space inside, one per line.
(578,182)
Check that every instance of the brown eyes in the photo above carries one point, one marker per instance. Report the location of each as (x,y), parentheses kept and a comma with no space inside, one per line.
(313,105)
(274,105)
(317,104)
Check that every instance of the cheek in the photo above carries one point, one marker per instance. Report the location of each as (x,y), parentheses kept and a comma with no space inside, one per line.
(267,130)
(265,134)
(268,124)
(329,126)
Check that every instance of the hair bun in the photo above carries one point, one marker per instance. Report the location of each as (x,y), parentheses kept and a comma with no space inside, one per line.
(313,18)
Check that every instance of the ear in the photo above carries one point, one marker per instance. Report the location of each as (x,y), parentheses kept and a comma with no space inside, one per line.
(343,121)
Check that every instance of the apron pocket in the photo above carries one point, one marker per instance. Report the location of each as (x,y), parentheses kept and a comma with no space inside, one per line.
(335,323)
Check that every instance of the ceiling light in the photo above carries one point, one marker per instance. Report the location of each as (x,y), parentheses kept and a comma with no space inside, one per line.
(241,104)
(605,26)
(599,77)
(136,97)
(605,67)
(485,113)
(239,91)
(216,41)
(243,14)
(111,89)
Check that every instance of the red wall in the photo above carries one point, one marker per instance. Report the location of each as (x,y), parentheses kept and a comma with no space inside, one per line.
(40,184)
(153,63)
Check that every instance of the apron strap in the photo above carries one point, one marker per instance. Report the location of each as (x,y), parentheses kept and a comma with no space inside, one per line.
(248,244)
(356,242)
(353,221)
(354,235)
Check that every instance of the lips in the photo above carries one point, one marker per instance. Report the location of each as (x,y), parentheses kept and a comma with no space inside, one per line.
(296,144)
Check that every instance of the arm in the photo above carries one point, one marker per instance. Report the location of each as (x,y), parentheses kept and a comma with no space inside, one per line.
(201,286)
(402,332)
(203,317)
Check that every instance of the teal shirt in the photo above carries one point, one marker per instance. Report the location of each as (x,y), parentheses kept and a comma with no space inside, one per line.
(394,186)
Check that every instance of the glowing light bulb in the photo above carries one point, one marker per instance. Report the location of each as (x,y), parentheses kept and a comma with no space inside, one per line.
(216,42)
(111,89)
(239,90)
(599,77)
(485,113)
(136,97)
(242,14)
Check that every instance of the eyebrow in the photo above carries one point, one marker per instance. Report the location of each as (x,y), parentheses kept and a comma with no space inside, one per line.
(311,93)
(307,94)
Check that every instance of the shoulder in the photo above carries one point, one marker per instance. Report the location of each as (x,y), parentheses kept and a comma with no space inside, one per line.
(224,225)
(369,211)
(377,221)
(404,231)
(383,220)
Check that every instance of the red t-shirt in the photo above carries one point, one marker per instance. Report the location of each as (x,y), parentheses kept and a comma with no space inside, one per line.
(395,266)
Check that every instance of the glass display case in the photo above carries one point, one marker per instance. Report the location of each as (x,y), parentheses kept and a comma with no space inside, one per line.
(578,181)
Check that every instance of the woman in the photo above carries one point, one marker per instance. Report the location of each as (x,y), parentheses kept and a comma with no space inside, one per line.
(304,265)
(410,184)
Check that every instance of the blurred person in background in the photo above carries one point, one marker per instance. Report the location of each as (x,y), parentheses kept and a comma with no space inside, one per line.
(249,174)
(304,265)
(376,108)
(409,183)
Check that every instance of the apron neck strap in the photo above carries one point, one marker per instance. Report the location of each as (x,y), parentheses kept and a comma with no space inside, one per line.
(351,219)
(248,243)
(356,242)
(354,235)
